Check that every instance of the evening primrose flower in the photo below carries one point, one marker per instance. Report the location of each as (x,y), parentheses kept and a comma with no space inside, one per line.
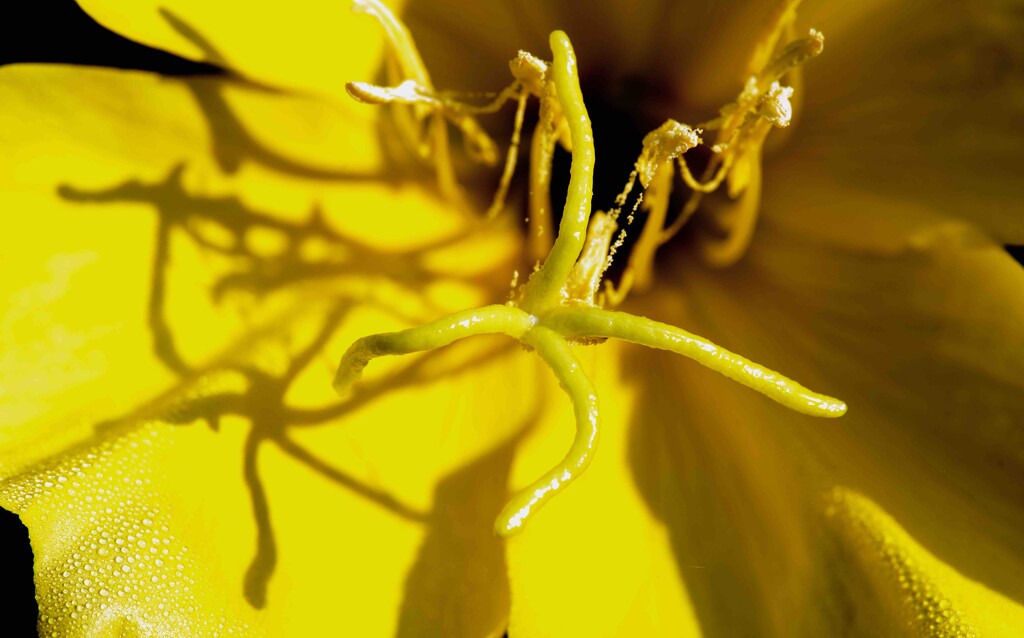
(196,256)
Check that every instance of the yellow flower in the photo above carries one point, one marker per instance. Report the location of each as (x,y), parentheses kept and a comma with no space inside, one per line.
(189,260)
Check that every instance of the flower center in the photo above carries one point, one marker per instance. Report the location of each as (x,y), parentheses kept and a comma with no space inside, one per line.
(561,302)
(674,183)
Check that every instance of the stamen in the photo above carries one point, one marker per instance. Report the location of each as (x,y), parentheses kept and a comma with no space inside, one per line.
(530,78)
(736,222)
(434,141)
(775,105)
(795,54)
(530,74)
(479,146)
(542,151)
(786,12)
(663,145)
(530,71)
(414,89)
(510,160)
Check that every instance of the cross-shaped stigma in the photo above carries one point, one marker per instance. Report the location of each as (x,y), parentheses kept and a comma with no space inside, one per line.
(559,306)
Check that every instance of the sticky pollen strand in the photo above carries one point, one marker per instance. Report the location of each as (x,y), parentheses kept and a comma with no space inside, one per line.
(639,271)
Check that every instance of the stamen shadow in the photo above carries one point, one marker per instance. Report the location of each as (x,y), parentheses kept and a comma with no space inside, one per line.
(222,226)
(451,584)
(262,403)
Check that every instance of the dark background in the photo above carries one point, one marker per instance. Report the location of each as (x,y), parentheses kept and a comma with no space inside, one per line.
(57,31)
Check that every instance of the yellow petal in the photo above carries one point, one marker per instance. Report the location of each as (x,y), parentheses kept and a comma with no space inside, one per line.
(95,184)
(315,45)
(915,105)
(924,347)
(595,563)
(157,400)
(714,465)
(338,526)
(819,202)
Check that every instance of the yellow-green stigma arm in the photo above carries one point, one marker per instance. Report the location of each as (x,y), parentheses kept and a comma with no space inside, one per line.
(593,322)
(486,320)
(546,284)
(554,350)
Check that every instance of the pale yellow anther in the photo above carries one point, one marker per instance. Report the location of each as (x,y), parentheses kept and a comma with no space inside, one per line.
(585,279)
(408,92)
(775,106)
(666,143)
(530,71)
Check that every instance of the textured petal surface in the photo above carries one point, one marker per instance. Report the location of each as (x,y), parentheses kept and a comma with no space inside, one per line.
(171,322)
(919,594)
